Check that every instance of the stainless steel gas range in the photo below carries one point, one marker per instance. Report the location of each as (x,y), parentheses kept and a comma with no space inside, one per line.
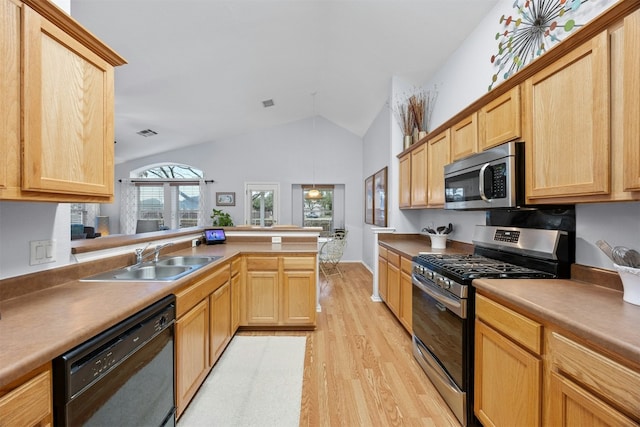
(443,300)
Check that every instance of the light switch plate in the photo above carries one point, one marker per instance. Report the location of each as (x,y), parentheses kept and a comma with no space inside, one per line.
(276,239)
(42,251)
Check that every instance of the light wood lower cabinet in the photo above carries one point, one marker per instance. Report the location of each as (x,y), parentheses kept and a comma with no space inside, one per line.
(281,290)
(236,294)
(393,282)
(203,329)
(220,318)
(28,400)
(394,285)
(192,353)
(508,366)
(382,273)
(576,385)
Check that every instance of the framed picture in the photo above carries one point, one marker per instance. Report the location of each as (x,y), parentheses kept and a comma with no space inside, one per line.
(225,199)
(368,200)
(380,198)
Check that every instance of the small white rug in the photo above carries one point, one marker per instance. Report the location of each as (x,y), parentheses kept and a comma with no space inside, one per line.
(256,382)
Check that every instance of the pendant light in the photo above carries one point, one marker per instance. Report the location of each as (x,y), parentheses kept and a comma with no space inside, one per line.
(314,193)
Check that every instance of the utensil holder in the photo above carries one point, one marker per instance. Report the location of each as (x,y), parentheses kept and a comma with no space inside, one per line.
(630,282)
(438,241)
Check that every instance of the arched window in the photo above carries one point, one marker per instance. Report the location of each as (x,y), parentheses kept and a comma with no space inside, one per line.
(162,197)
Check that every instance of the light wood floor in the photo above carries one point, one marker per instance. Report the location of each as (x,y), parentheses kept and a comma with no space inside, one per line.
(359,367)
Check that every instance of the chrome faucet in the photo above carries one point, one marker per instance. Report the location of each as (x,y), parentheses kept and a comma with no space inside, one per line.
(158,249)
(139,254)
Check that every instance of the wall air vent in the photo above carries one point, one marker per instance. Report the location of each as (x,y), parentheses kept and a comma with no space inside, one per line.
(268,103)
(147,132)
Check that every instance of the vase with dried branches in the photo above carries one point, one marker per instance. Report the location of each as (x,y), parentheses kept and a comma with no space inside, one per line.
(421,104)
(404,116)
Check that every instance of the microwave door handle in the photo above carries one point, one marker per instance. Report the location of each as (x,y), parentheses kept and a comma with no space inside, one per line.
(483,170)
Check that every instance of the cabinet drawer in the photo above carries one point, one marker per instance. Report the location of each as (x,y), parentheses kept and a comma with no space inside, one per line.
(519,328)
(188,297)
(597,373)
(382,252)
(262,263)
(299,263)
(405,265)
(393,258)
(235,266)
(28,404)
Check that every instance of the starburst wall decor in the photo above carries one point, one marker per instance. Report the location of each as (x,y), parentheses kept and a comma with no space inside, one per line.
(536,26)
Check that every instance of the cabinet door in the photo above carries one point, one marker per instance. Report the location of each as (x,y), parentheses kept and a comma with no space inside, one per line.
(500,120)
(220,321)
(631,98)
(439,156)
(262,297)
(192,353)
(406,289)
(393,288)
(67,113)
(382,279)
(464,137)
(567,128)
(419,177)
(10,98)
(235,303)
(299,288)
(571,405)
(405,181)
(507,381)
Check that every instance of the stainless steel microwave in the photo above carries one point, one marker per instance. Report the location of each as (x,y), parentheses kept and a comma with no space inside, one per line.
(491,179)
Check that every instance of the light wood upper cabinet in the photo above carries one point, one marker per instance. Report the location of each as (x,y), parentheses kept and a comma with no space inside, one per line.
(500,120)
(405,181)
(66,102)
(464,137)
(439,155)
(419,179)
(631,94)
(568,121)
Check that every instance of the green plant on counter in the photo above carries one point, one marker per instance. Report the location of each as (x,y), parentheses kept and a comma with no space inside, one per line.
(221,219)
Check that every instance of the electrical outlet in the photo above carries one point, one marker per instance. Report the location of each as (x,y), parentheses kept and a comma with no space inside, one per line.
(276,239)
(42,251)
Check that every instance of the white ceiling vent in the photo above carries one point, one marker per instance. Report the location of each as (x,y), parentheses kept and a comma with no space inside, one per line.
(147,132)
(268,103)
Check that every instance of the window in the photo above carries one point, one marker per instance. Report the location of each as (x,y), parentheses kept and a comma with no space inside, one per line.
(171,194)
(318,212)
(261,204)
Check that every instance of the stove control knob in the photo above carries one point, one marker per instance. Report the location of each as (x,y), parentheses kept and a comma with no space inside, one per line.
(446,284)
(429,275)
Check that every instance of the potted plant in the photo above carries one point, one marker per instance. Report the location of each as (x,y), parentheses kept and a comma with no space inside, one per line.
(221,219)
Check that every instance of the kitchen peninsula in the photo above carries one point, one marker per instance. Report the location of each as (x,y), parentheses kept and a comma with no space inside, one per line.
(38,326)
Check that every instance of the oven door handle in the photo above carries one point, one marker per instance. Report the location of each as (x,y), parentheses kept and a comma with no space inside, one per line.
(450,303)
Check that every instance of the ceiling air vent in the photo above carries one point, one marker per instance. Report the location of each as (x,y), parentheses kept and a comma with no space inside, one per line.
(268,103)
(147,132)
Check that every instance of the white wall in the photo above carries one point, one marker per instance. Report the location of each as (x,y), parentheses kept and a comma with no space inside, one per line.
(286,154)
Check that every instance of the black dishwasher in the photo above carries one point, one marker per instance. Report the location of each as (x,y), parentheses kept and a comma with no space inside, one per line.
(121,377)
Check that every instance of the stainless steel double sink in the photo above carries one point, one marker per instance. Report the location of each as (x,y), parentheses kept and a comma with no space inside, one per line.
(166,269)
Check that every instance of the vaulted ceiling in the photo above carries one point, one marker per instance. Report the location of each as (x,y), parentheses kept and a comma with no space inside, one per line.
(199,70)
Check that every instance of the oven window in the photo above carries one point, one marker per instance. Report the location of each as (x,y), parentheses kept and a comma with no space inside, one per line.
(441,331)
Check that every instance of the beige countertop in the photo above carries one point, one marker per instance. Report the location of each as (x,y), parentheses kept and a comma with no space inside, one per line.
(592,312)
(42,325)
